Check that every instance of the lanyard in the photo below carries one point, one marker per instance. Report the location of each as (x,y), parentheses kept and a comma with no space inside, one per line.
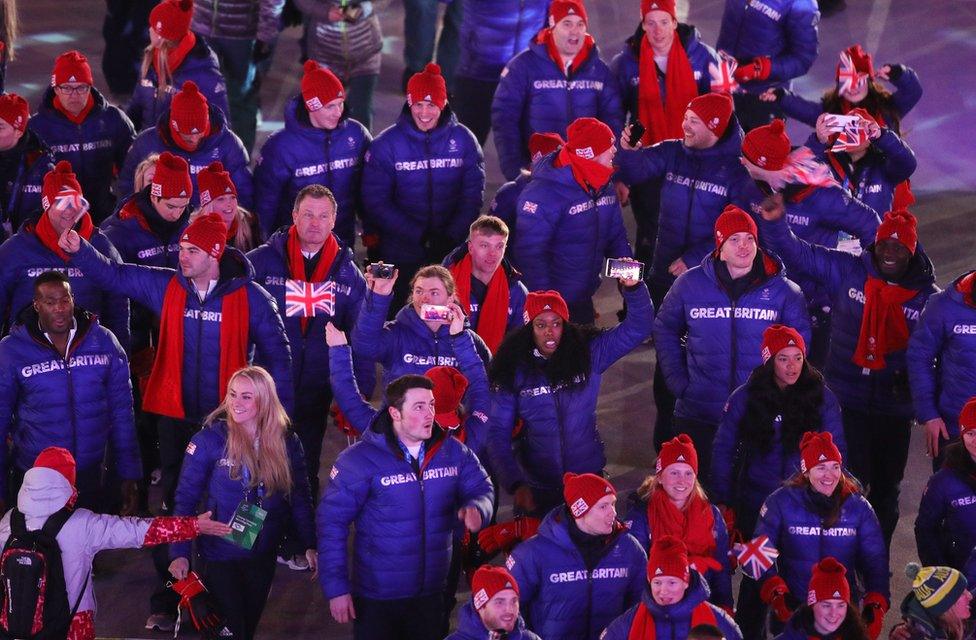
(246,481)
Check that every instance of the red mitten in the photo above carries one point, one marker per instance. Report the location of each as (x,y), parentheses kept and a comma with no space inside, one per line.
(875,608)
(758,69)
(704,563)
(503,535)
(773,593)
(371,240)
(735,536)
(342,422)
(526,527)
(202,607)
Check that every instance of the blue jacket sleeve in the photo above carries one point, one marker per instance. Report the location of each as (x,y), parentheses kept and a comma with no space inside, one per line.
(872,552)
(823,264)
(612,345)
(8,395)
(235,163)
(271,176)
(670,326)
(619,629)
(507,110)
(646,163)
(725,449)
(115,304)
(803,45)
(478,398)
(795,312)
(801,109)
(198,465)
(475,490)
(846,213)
(535,233)
(146,285)
(721,581)
(380,207)
(502,420)
(370,338)
(610,110)
(517,300)
(900,162)
(346,390)
(930,523)
(344,497)
(831,421)
(909,91)
(924,349)
(123,428)
(300,499)
(472,191)
(273,352)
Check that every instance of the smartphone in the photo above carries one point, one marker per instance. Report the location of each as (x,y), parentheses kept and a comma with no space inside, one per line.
(381,271)
(436,313)
(637,130)
(627,269)
(837,123)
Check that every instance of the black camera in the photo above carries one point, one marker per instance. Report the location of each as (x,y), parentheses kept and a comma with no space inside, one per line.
(381,271)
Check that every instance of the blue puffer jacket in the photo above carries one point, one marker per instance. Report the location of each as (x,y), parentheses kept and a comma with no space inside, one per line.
(23,258)
(708,344)
(200,66)
(207,472)
(470,626)
(309,352)
(626,64)
(516,292)
(719,581)
(422,187)
(674,620)
(494,31)
(884,391)
(559,431)
(697,184)
(404,528)
(783,30)
(22,171)
(300,155)
(945,529)
(220,144)
(80,402)
(95,148)
(941,353)
(794,525)
(201,324)
(560,596)
(505,205)
(742,474)
(564,233)
(534,96)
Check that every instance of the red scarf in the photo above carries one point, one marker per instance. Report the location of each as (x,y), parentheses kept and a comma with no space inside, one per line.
(663,117)
(642,628)
(176,55)
(883,326)
(694,524)
(493,317)
(587,173)
(75,119)
(965,287)
(49,237)
(164,391)
(545,37)
(296,261)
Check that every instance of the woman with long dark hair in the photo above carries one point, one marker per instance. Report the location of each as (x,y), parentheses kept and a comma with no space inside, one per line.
(828,613)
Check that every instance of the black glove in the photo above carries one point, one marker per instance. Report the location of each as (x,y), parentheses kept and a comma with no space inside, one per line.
(779,92)
(895,71)
(203,609)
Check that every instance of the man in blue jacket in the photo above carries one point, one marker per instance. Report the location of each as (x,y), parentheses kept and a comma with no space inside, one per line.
(80,126)
(494,608)
(24,160)
(558,79)
(405,485)
(320,144)
(64,382)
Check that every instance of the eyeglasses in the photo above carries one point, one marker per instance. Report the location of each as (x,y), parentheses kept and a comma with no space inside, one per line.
(79,90)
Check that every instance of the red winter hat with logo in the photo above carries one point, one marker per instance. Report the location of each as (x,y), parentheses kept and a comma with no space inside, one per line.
(666,6)
(817,448)
(582,491)
(862,60)
(538,301)
(668,557)
(541,144)
(171,178)
(779,336)
(680,449)
(208,232)
(319,86)
(733,220)
(768,146)
(588,137)
(214,181)
(828,582)
(59,180)
(559,9)
(14,111)
(901,226)
(427,85)
(171,18)
(449,387)
(71,66)
(487,582)
(715,111)
(967,417)
(58,459)
(189,112)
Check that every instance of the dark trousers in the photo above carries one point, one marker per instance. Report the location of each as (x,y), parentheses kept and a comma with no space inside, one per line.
(877,451)
(309,424)
(472,104)
(752,112)
(663,398)
(243,78)
(417,618)
(702,434)
(645,203)
(420,32)
(241,589)
(820,338)
(359,98)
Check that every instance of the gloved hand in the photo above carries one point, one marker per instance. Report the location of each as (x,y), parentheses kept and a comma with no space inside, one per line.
(701,564)
(875,608)
(758,69)
(773,593)
(505,535)
(342,422)
(202,607)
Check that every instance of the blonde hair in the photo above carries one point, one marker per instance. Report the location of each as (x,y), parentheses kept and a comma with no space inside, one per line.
(268,461)
(8,26)
(165,79)
(244,238)
(952,624)
(139,180)
(651,484)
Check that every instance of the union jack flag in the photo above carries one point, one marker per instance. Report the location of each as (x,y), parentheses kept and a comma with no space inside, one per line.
(723,80)
(756,556)
(852,136)
(309,299)
(847,76)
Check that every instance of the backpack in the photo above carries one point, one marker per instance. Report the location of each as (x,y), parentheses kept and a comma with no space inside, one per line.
(34,594)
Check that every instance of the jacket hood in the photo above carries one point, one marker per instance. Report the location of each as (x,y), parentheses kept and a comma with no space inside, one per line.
(43,492)
(470,626)
(697,593)
(218,129)
(461,250)
(919,276)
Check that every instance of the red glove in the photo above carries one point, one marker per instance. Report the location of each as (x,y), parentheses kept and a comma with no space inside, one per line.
(342,422)
(371,240)
(704,563)
(505,535)
(773,593)
(758,69)
(875,608)
(202,607)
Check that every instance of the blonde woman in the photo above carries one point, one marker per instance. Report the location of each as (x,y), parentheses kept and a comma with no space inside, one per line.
(145,171)
(249,464)
(218,194)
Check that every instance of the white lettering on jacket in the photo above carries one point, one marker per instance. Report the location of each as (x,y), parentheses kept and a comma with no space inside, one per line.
(84,360)
(429,163)
(429,474)
(430,361)
(835,532)
(699,185)
(746,313)
(574,85)
(766,10)
(335,165)
(84,146)
(857,294)
(71,272)
(606,573)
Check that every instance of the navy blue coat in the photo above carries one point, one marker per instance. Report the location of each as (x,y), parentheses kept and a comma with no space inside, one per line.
(201,324)
(674,620)
(516,292)
(783,30)
(470,627)
(81,402)
(22,171)
(300,155)
(559,431)
(206,471)
(882,391)
(220,144)
(504,205)
(708,344)
(564,233)
(494,31)
(422,185)
(945,528)
(560,597)
(404,528)
(534,96)
(95,148)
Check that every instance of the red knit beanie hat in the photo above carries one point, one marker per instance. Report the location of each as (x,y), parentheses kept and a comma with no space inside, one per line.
(779,336)
(541,144)
(449,387)
(188,111)
(666,6)
(171,178)
(559,9)
(214,181)
(828,582)
(967,417)
(817,448)
(588,137)
(427,85)
(209,233)
(733,220)
(680,449)
(862,60)
(538,301)
(319,86)
(768,146)
(714,109)
(582,491)
(14,110)
(487,581)
(61,180)
(59,459)
(668,557)
(171,18)
(71,66)
(901,226)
